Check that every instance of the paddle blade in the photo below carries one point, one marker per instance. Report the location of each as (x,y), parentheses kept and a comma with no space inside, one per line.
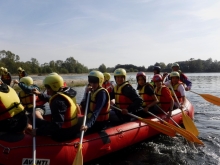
(79,157)
(181,132)
(189,124)
(212,99)
(159,127)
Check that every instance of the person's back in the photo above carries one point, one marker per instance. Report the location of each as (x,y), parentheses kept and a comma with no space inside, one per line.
(64,120)
(12,116)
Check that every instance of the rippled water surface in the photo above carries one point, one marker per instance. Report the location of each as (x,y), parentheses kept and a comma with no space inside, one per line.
(164,150)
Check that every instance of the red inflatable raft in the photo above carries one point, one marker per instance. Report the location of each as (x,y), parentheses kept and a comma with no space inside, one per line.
(49,152)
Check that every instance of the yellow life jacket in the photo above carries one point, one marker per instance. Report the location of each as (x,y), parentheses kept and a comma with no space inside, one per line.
(70,116)
(104,114)
(121,101)
(9,104)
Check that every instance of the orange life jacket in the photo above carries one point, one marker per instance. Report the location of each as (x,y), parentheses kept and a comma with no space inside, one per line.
(104,114)
(70,116)
(121,101)
(164,101)
(145,97)
(27,100)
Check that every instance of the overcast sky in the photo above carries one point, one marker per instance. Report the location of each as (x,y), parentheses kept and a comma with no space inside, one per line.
(111,32)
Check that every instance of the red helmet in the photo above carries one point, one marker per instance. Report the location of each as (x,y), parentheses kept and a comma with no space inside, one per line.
(141,74)
(157,77)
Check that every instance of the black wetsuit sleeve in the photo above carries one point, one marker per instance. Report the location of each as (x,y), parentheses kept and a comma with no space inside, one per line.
(137,101)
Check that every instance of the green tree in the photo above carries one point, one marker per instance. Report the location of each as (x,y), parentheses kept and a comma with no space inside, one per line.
(102,68)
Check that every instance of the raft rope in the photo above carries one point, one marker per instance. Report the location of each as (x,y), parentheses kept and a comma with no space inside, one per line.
(6,150)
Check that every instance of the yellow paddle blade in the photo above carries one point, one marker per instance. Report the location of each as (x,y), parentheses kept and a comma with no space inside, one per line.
(212,99)
(159,127)
(195,139)
(180,131)
(79,157)
(189,124)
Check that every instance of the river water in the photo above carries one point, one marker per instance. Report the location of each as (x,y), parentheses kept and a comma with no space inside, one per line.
(164,150)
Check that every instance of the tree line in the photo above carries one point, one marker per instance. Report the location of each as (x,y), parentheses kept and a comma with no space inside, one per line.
(11,61)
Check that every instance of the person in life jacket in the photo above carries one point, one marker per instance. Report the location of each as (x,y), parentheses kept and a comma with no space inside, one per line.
(99,104)
(178,88)
(12,115)
(21,73)
(6,76)
(64,120)
(126,97)
(163,94)
(26,96)
(107,84)
(176,68)
(156,70)
(146,91)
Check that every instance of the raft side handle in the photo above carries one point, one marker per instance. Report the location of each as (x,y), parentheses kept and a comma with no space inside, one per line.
(6,150)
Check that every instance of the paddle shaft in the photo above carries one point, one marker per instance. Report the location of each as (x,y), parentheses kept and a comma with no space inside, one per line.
(33,125)
(157,126)
(170,117)
(85,116)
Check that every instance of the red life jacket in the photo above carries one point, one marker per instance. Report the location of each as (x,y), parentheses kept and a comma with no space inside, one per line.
(121,101)
(108,86)
(104,114)
(164,101)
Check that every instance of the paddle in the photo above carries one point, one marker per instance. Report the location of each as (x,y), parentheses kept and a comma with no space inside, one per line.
(195,139)
(187,121)
(210,98)
(34,140)
(157,126)
(79,157)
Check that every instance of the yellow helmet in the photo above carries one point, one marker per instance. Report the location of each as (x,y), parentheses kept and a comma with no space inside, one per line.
(120,72)
(5,70)
(55,81)
(96,77)
(27,80)
(107,76)
(175,64)
(53,73)
(174,74)
(20,69)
